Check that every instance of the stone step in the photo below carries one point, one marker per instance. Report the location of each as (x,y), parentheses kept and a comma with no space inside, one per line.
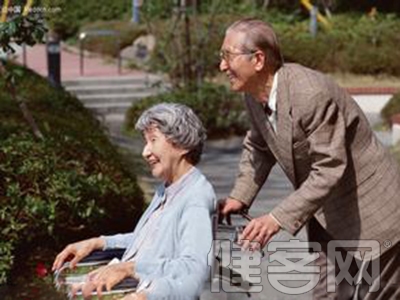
(114,118)
(126,142)
(109,89)
(109,108)
(146,79)
(114,122)
(114,98)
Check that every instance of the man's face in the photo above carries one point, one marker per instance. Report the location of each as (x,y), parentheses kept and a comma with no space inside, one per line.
(236,63)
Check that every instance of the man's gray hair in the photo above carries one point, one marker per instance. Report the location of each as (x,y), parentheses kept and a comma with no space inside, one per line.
(179,124)
(260,35)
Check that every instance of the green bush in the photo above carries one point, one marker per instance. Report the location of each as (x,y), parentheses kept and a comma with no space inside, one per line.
(354,44)
(127,33)
(71,15)
(391,108)
(71,185)
(395,150)
(221,111)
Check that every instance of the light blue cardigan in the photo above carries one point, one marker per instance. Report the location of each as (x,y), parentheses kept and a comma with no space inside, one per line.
(175,264)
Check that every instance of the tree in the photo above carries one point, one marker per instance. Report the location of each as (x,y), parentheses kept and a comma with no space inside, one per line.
(21,29)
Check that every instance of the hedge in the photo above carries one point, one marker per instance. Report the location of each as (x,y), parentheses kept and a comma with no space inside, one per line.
(390,109)
(355,44)
(71,185)
(221,111)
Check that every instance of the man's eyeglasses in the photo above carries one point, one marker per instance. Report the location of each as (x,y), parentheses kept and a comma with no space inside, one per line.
(228,56)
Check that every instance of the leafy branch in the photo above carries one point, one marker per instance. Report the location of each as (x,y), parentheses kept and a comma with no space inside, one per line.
(20,30)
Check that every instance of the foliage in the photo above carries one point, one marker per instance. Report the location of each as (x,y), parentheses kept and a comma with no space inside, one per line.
(158,9)
(355,44)
(71,185)
(127,33)
(29,30)
(173,54)
(391,108)
(221,111)
(395,150)
(20,29)
(73,14)
(364,44)
(367,5)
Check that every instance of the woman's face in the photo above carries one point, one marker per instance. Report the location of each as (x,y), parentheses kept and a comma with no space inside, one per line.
(161,155)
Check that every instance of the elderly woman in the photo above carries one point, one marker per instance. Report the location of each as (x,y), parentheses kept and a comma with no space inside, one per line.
(167,252)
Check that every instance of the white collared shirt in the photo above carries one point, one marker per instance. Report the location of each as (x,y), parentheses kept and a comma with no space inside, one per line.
(272,101)
(272,117)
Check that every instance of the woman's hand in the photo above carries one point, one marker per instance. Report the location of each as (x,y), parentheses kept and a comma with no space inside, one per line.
(78,251)
(108,277)
(135,296)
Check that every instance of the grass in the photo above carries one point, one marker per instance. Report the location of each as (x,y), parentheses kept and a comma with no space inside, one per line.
(345,80)
(356,80)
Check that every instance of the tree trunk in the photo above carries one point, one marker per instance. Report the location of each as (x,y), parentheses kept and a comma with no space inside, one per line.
(22,105)
(188,74)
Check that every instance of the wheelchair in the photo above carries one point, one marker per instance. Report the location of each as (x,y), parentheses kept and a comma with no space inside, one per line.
(66,278)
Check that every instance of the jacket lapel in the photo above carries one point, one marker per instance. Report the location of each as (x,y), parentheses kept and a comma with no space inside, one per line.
(284,127)
(257,111)
(273,140)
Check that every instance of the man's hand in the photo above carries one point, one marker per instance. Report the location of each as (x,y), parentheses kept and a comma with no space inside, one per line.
(258,232)
(228,206)
(77,251)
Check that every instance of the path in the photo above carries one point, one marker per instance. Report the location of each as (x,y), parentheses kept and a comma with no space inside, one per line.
(70,63)
(219,161)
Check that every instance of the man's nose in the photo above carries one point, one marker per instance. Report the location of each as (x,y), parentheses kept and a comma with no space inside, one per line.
(223,66)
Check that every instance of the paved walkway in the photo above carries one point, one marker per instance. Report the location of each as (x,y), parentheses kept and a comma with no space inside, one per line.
(219,163)
(36,60)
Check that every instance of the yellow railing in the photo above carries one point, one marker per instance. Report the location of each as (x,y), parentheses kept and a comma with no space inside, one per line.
(4,11)
(6,4)
(27,7)
(324,21)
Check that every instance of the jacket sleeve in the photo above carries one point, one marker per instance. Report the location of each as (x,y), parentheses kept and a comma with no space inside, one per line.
(325,129)
(182,277)
(254,167)
(121,240)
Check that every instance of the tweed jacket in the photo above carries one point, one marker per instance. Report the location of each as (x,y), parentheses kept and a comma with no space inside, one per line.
(341,173)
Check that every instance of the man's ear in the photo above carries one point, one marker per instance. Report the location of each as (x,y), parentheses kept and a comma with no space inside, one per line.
(259,60)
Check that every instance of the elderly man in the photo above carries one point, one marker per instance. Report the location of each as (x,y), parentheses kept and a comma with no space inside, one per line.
(347,186)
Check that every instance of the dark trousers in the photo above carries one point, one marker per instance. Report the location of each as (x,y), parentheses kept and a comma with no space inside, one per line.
(388,279)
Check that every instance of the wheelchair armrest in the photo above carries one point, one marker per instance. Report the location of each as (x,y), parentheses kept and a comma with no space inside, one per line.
(103,255)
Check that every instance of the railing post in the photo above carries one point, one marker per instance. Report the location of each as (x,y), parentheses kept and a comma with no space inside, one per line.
(53,59)
(86,34)
(82,37)
(119,55)
(24,54)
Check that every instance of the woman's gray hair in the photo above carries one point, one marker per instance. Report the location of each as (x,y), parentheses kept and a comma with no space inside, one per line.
(179,124)
(260,35)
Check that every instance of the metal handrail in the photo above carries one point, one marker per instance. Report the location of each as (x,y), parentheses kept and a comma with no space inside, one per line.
(89,33)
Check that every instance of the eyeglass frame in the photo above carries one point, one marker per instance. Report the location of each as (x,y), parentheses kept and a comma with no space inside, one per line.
(226,55)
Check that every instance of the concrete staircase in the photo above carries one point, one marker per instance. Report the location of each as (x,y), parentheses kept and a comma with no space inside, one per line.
(110,97)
